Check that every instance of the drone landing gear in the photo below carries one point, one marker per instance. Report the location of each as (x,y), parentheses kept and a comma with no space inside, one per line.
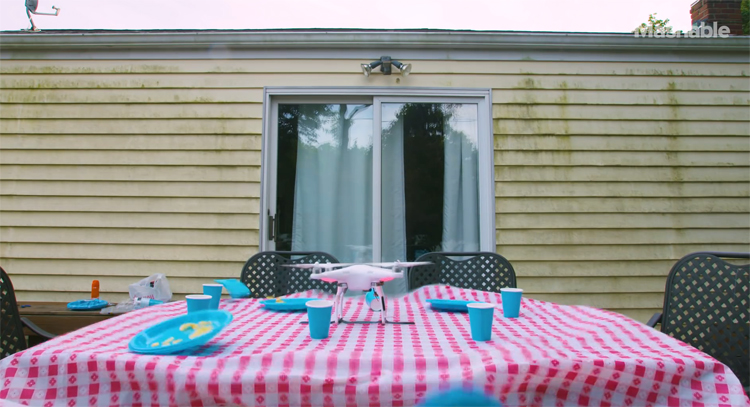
(375,322)
(343,321)
(339,301)
(383,320)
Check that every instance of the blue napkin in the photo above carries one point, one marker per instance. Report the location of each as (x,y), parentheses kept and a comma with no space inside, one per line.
(235,287)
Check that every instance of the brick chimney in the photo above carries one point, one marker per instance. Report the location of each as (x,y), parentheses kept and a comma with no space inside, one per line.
(723,12)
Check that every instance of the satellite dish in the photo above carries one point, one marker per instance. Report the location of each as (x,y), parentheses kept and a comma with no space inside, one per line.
(31,6)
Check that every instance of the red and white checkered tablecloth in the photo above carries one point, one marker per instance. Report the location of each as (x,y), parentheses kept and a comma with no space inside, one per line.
(552,355)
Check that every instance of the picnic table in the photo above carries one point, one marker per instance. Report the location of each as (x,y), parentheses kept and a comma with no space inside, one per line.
(552,355)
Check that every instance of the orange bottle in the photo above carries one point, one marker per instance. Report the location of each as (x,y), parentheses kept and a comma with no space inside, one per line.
(95,289)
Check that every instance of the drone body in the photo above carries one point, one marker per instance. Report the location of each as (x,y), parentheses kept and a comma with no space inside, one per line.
(362,277)
(357,277)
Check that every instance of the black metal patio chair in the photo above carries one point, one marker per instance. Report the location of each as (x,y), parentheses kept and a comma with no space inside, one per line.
(265,275)
(707,305)
(484,271)
(12,338)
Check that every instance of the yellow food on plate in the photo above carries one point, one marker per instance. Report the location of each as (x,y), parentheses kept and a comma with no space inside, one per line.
(155,344)
(176,341)
(201,331)
(201,328)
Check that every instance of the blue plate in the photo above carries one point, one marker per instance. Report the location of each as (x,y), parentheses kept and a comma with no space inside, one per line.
(87,305)
(180,329)
(450,305)
(288,304)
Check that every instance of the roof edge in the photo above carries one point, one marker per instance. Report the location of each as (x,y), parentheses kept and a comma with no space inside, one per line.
(363,39)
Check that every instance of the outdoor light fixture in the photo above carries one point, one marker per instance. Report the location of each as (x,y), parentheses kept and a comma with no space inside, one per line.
(385,64)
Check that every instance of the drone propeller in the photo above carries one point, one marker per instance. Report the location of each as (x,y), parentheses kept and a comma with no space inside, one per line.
(317,265)
(401,264)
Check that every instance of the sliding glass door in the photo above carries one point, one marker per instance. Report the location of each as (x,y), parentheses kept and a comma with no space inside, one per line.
(324,180)
(379,179)
(429,179)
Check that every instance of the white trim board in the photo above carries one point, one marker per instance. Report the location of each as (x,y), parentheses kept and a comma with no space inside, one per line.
(368,44)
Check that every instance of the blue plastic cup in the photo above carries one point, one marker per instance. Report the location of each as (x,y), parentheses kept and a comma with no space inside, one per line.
(319,318)
(481,317)
(373,301)
(198,302)
(214,290)
(511,301)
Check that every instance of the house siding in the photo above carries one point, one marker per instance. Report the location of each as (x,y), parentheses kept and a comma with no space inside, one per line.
(605,172)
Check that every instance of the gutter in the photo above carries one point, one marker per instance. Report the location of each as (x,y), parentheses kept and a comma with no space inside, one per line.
(362,39)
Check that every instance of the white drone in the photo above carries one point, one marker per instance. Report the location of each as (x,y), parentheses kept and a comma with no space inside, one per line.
(358,277)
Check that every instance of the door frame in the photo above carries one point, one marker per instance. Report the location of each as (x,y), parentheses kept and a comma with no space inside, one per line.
(377,95)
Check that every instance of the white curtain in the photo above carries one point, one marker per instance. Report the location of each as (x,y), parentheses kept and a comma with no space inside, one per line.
(461,183)
(393,214)
(333,186)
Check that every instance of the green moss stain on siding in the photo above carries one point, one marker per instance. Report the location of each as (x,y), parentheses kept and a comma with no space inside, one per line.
(499,126)
(563,105)
(674,123)
(147,68)
(527,83)
(524,98)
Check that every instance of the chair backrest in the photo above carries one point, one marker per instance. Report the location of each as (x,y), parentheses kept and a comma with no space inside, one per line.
(12,339)
(265,275)
(707,305)
(484,271)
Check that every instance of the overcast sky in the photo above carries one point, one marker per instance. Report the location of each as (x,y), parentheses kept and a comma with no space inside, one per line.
(519,15)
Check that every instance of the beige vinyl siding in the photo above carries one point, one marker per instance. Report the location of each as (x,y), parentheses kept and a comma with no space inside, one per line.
(598,193)
(121,188)
(605,172)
